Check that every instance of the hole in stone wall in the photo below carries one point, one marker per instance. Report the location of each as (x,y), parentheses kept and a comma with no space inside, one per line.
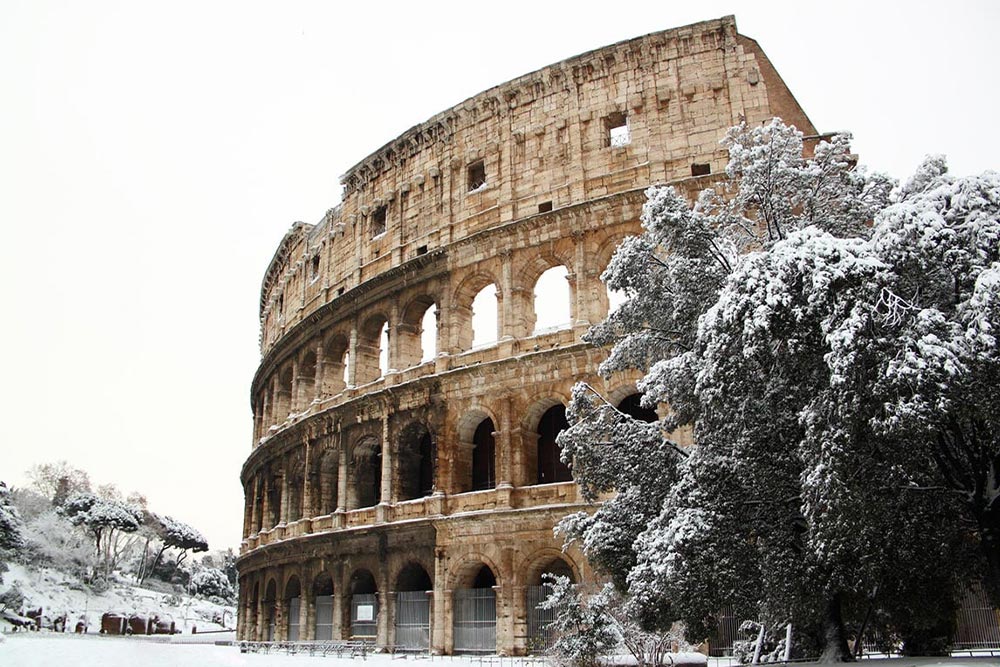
(422,250)
(378,221)
(545,207)
(701,169)
(476,175)
(314,268)
(616,126)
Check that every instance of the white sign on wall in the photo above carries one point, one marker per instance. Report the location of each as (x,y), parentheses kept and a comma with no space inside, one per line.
(366,612)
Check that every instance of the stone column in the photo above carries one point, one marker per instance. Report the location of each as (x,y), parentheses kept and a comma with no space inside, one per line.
(307,623)
(280,614)
(352,361)
(505,295)
(307,479)
(387,611)
(265,509)
(283,511)
(387,458)
(341,603)
(440,606)
(342,475)
(319,380)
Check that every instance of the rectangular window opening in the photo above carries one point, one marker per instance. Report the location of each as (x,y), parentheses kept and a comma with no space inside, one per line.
(545,207)
(422,250)
(476,175)
(378,221)
(340,291)
(698,169)
(314,268)
(616,126)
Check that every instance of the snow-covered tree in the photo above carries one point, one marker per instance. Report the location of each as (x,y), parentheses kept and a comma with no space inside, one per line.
(583,629)
(11,525)
(832,343)
(105,521)
(168,533)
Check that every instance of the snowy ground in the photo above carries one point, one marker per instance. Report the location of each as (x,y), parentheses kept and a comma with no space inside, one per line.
(57,594)
(53,650)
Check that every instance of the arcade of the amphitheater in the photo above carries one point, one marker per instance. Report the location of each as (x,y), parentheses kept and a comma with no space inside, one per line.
(407,494)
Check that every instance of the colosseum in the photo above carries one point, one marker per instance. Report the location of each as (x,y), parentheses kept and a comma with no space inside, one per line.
(419,344)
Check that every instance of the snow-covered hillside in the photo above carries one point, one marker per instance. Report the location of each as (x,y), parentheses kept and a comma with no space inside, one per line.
(58,593)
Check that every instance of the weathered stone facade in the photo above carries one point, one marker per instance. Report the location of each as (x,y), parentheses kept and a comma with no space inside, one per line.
(372,487)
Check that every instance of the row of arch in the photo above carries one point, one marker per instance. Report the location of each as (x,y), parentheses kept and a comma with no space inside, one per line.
(352,477)
(394,338)
(287,609)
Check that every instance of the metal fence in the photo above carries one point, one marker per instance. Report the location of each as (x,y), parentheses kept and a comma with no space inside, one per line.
(364,612)
(977,623)
(413,620)
(541,634)
(324,617)
(475,620)
(294,614)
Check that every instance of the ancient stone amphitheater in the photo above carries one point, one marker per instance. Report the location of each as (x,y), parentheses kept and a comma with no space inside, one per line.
(404,479)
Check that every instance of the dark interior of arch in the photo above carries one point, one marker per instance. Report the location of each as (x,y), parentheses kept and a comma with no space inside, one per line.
(557,567)
(363,582)
(413,578)
(484,456)
(368,474)
(416,454)
(323,585)
(631,406)
(484,578)
(293,589)
(550,467)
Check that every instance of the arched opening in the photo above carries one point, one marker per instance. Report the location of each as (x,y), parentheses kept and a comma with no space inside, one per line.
(383,350)
(484,456)
(475,613)
(364,605)
(552,300)
(293,603)
(323,604)
(539,621)
(632,406)
(367,473)
(274,501)
(306,381)
(296,485)
(270,617)
(484,317)
(417,332)
(372,357)
(550,467)
(327,478)
(416,463)
(413,617)
(428,334)
(333,371)
(283,395)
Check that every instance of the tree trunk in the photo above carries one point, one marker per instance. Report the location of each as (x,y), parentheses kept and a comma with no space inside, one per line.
(834,636)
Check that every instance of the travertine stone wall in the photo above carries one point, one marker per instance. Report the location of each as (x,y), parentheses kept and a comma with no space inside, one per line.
(359,475)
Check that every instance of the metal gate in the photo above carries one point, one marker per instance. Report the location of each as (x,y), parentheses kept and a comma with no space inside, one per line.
(977,622)
(413,620)
(474,611)
(725,633)
(294,609)
(324,617)
(364,615)
(540,633)
(271,619)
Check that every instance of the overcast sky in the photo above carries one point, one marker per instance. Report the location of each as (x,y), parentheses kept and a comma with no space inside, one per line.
(152,155)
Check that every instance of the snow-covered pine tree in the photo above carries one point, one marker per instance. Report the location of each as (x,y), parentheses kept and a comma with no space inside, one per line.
(11,525)
(827,403)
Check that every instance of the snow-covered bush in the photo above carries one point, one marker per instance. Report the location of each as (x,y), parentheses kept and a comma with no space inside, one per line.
(211,583)
(583,627)
(50,539)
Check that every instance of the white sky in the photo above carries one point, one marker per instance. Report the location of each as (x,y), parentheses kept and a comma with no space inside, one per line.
(152,155)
